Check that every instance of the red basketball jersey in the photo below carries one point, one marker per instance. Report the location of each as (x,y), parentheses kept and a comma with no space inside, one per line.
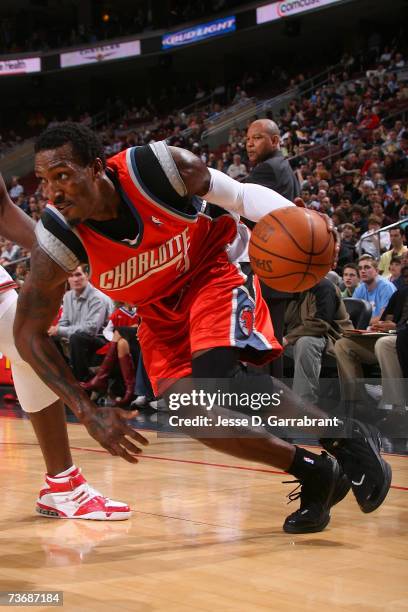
(166,253)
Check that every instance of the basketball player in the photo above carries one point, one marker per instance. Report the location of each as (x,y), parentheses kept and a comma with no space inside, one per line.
(136,223)
(65,493)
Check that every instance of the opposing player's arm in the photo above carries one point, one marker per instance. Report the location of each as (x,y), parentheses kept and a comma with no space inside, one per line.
(15,225)
(38,303)
(246,199)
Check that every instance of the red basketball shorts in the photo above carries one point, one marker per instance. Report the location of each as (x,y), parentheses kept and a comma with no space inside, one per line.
(221,306)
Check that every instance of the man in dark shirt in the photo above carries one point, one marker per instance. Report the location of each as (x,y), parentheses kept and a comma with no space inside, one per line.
(272,170)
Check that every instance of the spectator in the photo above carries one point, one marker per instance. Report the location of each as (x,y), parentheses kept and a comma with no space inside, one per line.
(16,189)
(237,170)
(314,321)
(358,217)
(366,189)
(122,348)
(395,271)
(394,205)
(371,243)
(84,312)
(350,280)
(9,253)
(21,273)
(373,288)
(347,252)
(345,206)
(398,248)
(338,218)
(352,353)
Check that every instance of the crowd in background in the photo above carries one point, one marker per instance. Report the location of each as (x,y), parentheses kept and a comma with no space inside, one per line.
(347,141)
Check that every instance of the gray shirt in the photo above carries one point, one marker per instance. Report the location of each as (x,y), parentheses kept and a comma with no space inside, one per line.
(87,312)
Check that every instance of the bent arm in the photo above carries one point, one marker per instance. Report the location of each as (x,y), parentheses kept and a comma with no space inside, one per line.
(15,225)
(245,199)
(38,303)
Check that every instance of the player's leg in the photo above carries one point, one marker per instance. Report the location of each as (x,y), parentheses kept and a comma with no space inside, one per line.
(50,428)
(66,493)
(167,357)
(321,480)
(240,319)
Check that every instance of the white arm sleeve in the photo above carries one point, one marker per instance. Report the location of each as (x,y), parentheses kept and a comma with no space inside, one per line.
(246,199)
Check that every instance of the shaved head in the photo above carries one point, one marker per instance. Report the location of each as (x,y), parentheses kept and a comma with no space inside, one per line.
(265,125)
(263,138)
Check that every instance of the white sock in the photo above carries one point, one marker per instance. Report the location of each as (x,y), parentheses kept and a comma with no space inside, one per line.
(64,474)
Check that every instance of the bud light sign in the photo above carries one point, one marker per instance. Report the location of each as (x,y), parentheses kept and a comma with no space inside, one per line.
(198,33)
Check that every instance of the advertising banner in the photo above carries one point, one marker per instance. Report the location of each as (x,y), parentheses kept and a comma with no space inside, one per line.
(100,53)
(287,8)
(199,32)
(25,65)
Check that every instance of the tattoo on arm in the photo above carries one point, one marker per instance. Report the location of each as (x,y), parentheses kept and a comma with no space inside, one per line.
(39,300)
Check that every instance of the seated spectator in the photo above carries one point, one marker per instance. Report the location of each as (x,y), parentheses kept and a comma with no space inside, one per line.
(395,271)
(338,218)
(371,243)
(237,170)
(20,273)
(359,220)
(16,189)
(306,196)
(397,249)
(365,189)
(373,288)
(352,353)
(122,348)
(84,312)
(314,321)
(394,205)
(350,280)
(9,253)
(345,206)
(378,211)
(347,252)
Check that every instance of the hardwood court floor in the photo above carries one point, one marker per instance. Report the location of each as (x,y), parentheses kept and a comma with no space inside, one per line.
(205,535)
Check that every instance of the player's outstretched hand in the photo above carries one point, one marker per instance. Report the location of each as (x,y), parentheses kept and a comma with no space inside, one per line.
(300,203)
(110,427)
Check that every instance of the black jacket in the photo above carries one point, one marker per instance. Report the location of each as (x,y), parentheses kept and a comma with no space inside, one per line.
(277,174)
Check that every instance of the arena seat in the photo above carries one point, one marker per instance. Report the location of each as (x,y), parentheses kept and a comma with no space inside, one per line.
(360,312)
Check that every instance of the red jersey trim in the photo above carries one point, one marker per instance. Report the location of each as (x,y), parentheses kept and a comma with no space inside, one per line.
(8,285)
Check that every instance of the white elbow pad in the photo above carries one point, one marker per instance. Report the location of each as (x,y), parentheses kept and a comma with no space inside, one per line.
(247,199)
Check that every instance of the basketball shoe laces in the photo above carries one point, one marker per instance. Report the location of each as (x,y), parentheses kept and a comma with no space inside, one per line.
(311,491)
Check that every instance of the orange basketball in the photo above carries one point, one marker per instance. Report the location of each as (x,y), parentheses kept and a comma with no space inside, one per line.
(291,249)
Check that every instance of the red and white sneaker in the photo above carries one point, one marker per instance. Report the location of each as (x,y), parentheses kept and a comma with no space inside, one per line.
(71,497)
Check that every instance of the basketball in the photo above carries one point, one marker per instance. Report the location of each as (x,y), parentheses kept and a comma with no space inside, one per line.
(291,249)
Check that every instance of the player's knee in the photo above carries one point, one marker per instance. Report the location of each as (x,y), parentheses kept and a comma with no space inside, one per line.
(220,362)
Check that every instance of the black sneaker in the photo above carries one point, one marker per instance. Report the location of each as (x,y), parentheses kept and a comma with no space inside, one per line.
(360,458)
(317,496)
